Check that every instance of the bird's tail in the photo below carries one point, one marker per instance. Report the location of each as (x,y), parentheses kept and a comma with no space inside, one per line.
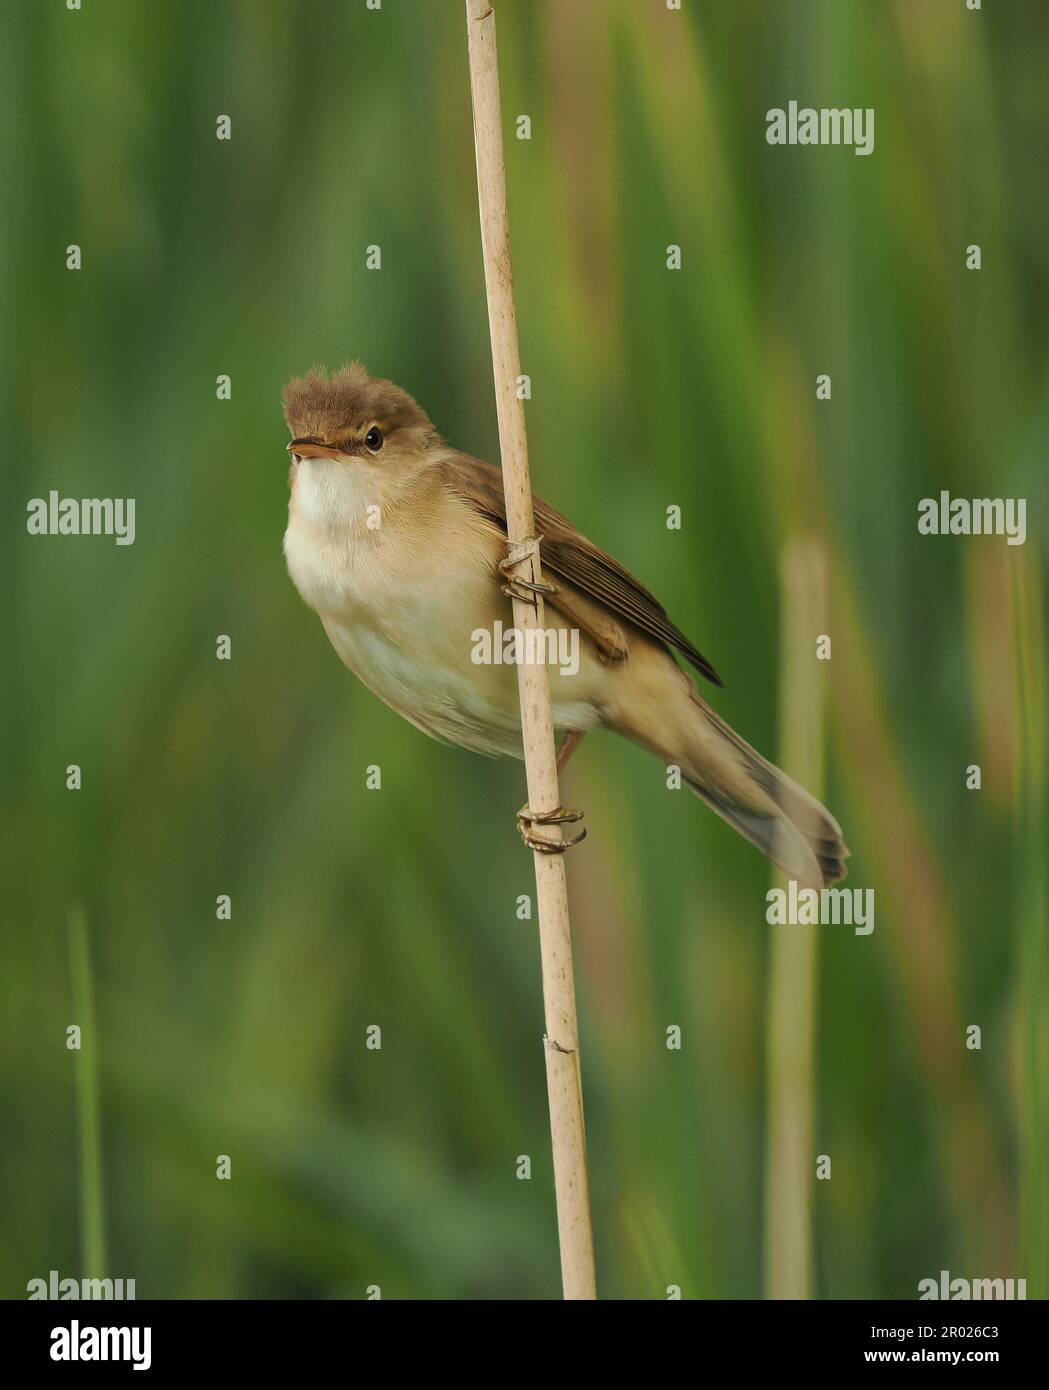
(755,797)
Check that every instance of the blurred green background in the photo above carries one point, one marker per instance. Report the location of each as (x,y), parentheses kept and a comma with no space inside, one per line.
(650,388)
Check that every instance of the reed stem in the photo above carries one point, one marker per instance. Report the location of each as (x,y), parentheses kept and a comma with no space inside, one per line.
(92,1207)
(790,1156)
(561,1042)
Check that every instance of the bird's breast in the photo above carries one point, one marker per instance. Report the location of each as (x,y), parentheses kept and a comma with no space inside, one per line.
(400,607)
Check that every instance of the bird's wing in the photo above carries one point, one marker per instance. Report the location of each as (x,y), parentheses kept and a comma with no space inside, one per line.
(570,555)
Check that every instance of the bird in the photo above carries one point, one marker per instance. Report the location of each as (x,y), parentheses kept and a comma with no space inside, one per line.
(395,540)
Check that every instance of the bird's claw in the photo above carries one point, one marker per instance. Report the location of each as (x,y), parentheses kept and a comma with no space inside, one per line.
(526,819)
(527,590)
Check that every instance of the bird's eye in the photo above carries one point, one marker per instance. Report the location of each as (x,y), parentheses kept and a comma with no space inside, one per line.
(373,439)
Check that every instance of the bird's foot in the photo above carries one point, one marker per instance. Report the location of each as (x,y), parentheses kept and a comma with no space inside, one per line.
(526,819)
(527,590)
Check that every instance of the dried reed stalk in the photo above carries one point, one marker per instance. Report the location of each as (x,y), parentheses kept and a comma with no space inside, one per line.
(562,1034)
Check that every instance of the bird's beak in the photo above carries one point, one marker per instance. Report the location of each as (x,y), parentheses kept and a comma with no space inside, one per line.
(310,448)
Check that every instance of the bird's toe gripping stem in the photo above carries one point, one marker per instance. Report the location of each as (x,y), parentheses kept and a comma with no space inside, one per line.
(526,819)
(527,590)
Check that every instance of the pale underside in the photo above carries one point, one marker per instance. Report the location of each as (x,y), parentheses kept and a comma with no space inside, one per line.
(401,607)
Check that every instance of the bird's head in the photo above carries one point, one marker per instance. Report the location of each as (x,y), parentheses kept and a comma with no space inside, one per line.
(354,421)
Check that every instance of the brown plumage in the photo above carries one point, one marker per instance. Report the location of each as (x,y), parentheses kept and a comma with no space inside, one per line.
(332,406)
(403,599)
(570,554)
